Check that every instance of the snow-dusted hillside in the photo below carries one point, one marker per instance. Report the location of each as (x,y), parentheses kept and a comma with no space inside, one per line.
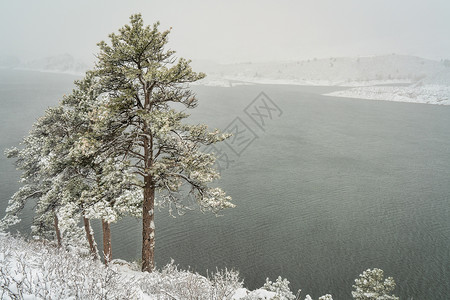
(410,79)
(344,71)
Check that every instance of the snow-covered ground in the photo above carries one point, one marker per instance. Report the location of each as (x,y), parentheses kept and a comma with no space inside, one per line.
(429,94)
(38,270)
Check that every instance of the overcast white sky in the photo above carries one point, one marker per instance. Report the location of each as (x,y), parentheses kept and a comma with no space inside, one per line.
(234,31)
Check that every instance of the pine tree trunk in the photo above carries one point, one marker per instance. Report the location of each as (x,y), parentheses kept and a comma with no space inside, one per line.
(148,227)
(107,250)
(90,237)
(58,232)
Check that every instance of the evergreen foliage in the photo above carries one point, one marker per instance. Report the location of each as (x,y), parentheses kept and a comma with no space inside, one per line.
(371,285)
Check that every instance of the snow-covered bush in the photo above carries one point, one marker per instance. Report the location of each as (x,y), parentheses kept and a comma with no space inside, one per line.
(324,297)
(172,283)
(225,283)
(281,291)
(280,287)
(371,285)
(45,272)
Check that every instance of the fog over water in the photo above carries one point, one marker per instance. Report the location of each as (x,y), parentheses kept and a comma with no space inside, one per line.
(234,31)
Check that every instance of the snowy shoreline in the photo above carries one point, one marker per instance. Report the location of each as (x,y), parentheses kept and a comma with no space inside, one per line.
(212,80)
(426,94)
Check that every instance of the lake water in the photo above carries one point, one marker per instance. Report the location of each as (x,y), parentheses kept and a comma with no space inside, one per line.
(328,189)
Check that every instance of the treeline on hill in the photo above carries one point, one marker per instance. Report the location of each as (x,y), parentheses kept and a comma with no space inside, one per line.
(115,142)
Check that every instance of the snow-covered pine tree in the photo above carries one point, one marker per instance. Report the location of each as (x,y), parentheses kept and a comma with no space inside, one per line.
(143,81)
(110,190)
(39,179)
(29,161)
(68,175)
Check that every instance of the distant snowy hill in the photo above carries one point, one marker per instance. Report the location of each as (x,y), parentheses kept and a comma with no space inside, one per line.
(344,71)
(390,77)
(63,63)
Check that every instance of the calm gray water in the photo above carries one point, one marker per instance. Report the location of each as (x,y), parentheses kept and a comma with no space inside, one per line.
(328,189)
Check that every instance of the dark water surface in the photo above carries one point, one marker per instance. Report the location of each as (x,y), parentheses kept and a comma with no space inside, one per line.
(328,189)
